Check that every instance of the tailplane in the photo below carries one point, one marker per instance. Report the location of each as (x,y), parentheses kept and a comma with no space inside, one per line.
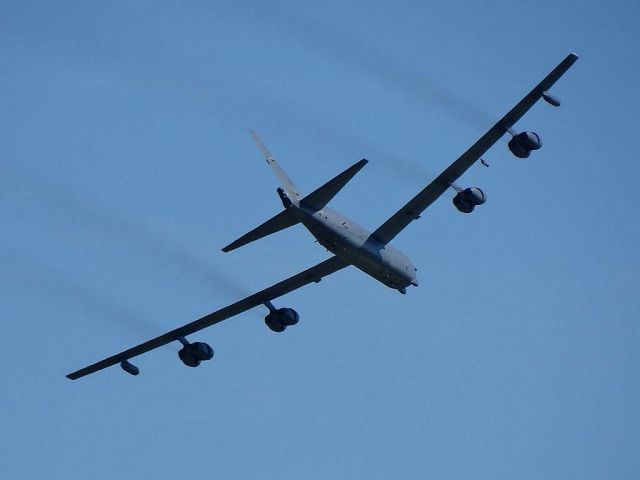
(317,199)
(281,221)
(291,197)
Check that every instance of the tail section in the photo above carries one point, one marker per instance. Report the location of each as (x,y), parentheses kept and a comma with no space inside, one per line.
(291,196)
(281,221)
(287,184)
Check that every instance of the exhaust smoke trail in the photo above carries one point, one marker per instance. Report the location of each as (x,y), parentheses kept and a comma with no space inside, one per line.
(108,223)
(62,292)
(356,54)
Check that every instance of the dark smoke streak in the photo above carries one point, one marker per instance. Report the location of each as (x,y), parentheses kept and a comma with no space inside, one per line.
(87,214)
(404,169)
(353,53)
(149,241)
(62,292)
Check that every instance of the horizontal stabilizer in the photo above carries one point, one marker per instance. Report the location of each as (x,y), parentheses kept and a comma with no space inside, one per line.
(320,197)
(281,221)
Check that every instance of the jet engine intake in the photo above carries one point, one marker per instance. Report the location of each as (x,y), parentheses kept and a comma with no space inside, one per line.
(469,198)
(194,353)
(278,320)
(523,143)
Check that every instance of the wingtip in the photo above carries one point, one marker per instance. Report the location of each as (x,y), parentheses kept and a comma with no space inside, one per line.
(228,248)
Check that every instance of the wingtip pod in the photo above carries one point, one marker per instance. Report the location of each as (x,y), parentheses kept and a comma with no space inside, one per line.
(129,367)
(547,83)
(551,99)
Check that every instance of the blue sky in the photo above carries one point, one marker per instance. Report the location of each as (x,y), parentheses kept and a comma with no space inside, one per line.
(127,166)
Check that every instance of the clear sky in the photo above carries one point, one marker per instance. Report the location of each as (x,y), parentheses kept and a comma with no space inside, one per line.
(126,166)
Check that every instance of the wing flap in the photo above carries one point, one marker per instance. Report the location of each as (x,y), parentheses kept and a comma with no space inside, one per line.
(313,274)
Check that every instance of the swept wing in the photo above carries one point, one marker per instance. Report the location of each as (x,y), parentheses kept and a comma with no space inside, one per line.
(313,274)
(412,210)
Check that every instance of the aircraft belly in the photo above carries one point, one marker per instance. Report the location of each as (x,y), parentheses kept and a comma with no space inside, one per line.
(381,271)
(354,245)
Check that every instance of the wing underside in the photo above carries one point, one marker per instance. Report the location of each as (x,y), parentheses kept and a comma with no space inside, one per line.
(313,274)
(412,210)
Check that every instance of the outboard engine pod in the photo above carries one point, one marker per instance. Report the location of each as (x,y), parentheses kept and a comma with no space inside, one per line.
(202,351)
(274,324)
(288,316)
(523,143)
(194,353)
(278,320)
(188,358)
(469,198)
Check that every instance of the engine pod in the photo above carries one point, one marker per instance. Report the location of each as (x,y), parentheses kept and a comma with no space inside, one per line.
(469,198)
(551,99)
(130,368)
(523,143)
(187,357)
(202,351)
(288,316)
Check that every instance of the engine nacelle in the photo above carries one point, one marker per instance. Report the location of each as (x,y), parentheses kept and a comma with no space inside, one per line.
(194,353)
(281,318)
(202,351)
(468,199)
(523,143)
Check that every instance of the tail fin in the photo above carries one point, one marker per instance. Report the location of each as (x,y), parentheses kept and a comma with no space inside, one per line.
(289,194)
(287,184)
(283,220)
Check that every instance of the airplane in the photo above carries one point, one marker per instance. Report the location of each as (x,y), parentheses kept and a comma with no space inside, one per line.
(349,243)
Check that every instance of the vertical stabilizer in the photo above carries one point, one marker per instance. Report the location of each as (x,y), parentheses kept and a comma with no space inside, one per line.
(287,184)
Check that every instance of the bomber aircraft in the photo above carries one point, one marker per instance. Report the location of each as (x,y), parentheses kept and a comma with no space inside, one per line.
(349,243)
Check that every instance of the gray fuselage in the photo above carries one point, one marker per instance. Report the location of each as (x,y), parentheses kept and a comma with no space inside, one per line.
(355,245)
